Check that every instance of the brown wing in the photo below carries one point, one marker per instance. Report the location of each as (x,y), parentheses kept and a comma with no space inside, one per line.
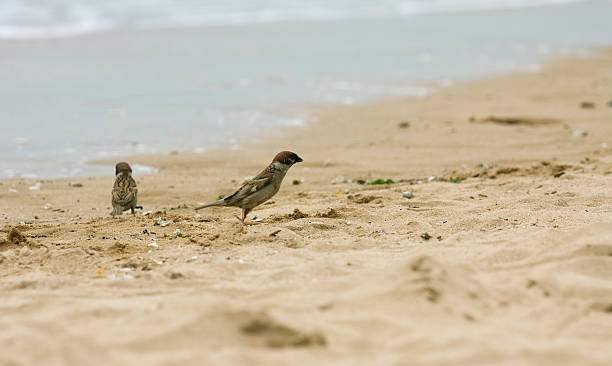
(260,180)
(124,190)
(253,185)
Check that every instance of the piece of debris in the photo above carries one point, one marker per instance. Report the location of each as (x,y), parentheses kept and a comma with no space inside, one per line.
(381,181)
(508,170)
(35,187)
(425,236)
(161,222)
(275,232)
(403,124)
(522,121)
(76,185)
(558,174)
(407,194)
(580,133)
(296,182)
(587,105)
(176,275)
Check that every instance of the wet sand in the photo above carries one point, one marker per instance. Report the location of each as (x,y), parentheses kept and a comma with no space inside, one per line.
(503,255)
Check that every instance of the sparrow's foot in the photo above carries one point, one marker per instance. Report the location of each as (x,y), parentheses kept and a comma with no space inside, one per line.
(247,222)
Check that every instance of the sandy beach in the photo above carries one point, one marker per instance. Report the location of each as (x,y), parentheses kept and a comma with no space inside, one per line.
(502,255)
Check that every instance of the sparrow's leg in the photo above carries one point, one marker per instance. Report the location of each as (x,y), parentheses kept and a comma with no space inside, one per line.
(132,208)
(116,211)
(245,212)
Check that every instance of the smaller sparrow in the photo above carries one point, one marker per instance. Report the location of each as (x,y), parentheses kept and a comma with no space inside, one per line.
(124,195)
(261,188)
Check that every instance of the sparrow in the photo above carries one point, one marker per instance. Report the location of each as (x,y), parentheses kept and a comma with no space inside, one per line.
(261,188)
(124,195)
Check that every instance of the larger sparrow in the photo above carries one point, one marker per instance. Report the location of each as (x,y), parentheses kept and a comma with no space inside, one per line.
(261,188)
(124,196)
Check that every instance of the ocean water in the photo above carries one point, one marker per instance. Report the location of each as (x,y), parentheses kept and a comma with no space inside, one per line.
(53,18)
(84,80)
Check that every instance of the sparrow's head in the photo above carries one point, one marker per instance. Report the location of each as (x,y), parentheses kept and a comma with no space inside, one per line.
(286,158)
(123,167)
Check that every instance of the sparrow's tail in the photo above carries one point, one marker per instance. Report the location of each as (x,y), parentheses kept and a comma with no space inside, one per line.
(216,203)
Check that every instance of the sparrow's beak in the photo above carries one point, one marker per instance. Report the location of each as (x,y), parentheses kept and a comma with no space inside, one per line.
(299,160)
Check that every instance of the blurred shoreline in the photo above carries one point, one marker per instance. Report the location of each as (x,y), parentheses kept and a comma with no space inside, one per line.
(71,101)
(48,19)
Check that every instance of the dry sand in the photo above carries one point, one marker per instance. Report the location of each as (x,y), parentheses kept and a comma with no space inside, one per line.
(517,269)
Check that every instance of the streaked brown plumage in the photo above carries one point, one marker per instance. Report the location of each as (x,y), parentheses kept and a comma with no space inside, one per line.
(261,188)
(124,195)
